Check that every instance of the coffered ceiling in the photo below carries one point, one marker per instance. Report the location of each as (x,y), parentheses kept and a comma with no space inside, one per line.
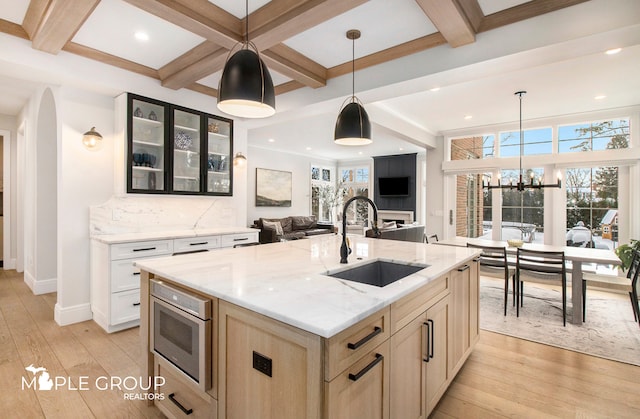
(303,43)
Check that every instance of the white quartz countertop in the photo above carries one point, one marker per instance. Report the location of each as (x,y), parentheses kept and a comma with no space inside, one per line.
(169,234)
(287,281)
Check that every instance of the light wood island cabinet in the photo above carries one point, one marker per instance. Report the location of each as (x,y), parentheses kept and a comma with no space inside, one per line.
(396,363)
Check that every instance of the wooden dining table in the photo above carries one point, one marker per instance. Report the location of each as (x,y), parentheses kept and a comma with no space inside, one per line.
(577,256)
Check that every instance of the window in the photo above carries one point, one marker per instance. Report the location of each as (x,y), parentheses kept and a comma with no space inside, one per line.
(604,135)
(355,182)
(592,207)
(324,195)
(535,141)
(480,147)
(522,211)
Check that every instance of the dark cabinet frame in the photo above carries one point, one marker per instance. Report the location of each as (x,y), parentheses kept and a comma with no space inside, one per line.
(169,147)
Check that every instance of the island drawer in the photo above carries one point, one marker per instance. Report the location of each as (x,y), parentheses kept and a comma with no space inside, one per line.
(408,308)
(196,243)
(345,348)
(181,400)
(136,250)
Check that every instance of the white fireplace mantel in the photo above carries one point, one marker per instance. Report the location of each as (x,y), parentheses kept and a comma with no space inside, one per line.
(405,216)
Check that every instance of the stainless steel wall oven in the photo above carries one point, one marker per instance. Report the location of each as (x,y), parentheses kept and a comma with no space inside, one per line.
(181,325)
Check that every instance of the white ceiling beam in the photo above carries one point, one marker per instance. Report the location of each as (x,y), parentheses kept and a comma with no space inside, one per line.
(383,117)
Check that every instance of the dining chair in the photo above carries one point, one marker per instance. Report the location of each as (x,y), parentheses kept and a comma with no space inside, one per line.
(542,267)
(433,238)
(628,283)
(493,262)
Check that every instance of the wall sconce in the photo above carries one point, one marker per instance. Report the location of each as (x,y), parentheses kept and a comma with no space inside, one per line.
(92,139)
(239,159)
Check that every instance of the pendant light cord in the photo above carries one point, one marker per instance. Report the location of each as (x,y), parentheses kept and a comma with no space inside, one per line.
(353,68)
(246,22)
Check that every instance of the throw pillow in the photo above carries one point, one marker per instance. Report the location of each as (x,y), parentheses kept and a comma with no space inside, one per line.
(303,222)
(273,225)
(389,225)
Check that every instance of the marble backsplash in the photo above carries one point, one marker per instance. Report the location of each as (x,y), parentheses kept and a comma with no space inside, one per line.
(126,214)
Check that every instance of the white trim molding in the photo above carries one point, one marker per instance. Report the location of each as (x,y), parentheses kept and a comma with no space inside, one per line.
(38,287)
(69,315)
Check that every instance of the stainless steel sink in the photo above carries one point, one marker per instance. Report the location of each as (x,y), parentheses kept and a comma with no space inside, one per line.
(379,273)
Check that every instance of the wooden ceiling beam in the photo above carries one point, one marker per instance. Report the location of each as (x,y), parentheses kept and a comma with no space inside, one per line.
(194,65)
(58,22)
(451,21)
(294,65)
(13,29)
(389,54)
(197,16)
(109,59)
(35,12)
(524,11)
(473,11)
(280,20)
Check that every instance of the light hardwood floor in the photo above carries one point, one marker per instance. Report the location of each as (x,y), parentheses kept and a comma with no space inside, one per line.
(504,377)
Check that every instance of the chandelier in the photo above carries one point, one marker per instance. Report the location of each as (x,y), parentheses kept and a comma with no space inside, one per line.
(521,185)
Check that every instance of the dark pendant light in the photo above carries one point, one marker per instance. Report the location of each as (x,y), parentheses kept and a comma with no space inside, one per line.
(353,126)
(246,88)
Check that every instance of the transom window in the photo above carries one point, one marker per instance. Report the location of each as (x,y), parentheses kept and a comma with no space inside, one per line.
(536,141)
(603,135)
(479,147)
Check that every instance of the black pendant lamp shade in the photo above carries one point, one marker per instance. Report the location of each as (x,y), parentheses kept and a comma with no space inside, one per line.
(246,88)
(353,126)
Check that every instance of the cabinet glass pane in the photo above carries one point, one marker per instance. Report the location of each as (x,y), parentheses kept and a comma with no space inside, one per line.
(218,156)
(147,146)
(186,151)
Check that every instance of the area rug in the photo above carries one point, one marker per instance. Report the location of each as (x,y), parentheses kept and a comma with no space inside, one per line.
(609,331)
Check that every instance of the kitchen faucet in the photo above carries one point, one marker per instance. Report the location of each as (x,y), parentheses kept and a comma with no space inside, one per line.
(345,250)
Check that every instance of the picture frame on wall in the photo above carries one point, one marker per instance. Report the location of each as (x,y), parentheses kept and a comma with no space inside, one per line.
(315,173)
(326,175)
(273,188)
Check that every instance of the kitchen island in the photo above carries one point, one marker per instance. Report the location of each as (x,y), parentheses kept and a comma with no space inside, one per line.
(287,340)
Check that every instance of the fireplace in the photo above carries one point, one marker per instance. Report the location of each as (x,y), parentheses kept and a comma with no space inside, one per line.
(403,217)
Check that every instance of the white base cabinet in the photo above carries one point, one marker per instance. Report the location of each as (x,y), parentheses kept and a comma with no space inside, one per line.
(115,281)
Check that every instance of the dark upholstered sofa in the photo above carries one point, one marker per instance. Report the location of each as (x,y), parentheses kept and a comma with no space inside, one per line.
(290,228)
(406,232)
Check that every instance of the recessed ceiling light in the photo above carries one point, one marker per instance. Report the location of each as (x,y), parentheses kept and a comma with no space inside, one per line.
(141,36)
(468,116)
(271,140)
(599,97)
(401,149)
(613,51)
(308,148)
(434,89)
(360,152)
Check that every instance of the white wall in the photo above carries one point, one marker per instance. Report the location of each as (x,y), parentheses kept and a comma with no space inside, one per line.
(8,129)
(436,220)
(298,165)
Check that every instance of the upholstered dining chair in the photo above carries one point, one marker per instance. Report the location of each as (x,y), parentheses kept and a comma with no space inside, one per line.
(542,267)
(628,283)
(493,262)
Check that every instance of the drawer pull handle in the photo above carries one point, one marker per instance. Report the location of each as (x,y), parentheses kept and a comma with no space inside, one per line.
(136,304)
(144,249)
(172,397)
(198,244)
(136,273)
(356,377)
(376,331)
(241,239)
(464,268)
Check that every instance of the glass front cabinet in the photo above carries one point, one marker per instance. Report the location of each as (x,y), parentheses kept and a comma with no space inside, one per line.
(176,150)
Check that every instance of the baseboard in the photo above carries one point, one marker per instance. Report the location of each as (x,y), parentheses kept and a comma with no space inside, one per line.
(9,264)
(44,286)
(69,315)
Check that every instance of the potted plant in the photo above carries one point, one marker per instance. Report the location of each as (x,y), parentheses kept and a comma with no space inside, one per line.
(625,252)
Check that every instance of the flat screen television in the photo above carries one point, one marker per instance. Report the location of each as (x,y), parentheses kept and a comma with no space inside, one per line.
(393,186)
